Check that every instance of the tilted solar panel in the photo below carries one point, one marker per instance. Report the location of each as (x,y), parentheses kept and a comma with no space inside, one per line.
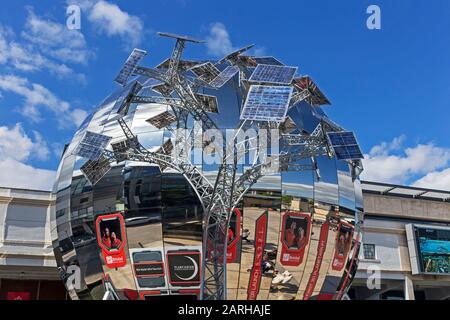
(267,103)
(206,71)
(344,145)
(162,120)
(94,170)
(92,145)
(268,60)
(209,103)
(129,66)
(265,73)
(224,76)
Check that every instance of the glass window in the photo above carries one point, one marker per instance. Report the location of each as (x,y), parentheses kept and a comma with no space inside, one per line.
(369,251)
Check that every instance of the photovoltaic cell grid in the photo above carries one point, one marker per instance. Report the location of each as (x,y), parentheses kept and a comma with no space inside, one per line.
(209,103)
(267,103)
(268,60)
(206,71)
(224,76)
(92,145)
(345,145)
(94,170)
(166,148)
(162,120)
(273,74)
(129,66)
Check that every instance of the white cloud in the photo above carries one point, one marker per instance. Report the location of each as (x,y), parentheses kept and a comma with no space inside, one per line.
(435,180)
(55,40)
(16,174)
(27,58)
(108,18)
(35,96)
(14,143)
(218,41)
(386,163)
(16,147)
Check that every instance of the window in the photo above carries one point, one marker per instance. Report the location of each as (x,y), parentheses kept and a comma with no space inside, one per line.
(369,251)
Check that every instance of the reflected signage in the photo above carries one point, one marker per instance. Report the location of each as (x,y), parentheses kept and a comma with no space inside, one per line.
(343,243)
(234,235)
(260,243)
(322,246)
(295,236)
(184,267)
(111,238)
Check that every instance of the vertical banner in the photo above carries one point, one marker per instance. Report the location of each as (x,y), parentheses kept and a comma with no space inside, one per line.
(322,246)
(233,235)
(343,243)
(294,237)
(260,243)
(111,238)
(351,264)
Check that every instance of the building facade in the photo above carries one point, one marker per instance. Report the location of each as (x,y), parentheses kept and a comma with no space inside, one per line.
(405,250)
(27,265)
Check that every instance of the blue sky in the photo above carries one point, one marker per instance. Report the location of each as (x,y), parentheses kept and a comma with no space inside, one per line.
(391,86)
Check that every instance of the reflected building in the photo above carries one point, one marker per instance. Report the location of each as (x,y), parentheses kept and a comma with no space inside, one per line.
(294,235)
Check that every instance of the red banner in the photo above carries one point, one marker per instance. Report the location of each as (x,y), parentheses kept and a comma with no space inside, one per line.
(341,291)
(260,243)
(234,235)
(322,246)
(15,295)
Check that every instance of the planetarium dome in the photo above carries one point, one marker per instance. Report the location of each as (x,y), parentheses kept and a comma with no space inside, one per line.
(151,202)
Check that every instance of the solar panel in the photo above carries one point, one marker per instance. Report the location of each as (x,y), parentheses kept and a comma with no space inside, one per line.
(92,145)
(316,97)
(273,74)
(206,71)
(166,148)
(247,61)
(267,103)
(209,103)
(268,60)
(121,148)
(288,125)
(162,120)
(224,76)
(233,55)
(129,66)
(345,145)
(94,170)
